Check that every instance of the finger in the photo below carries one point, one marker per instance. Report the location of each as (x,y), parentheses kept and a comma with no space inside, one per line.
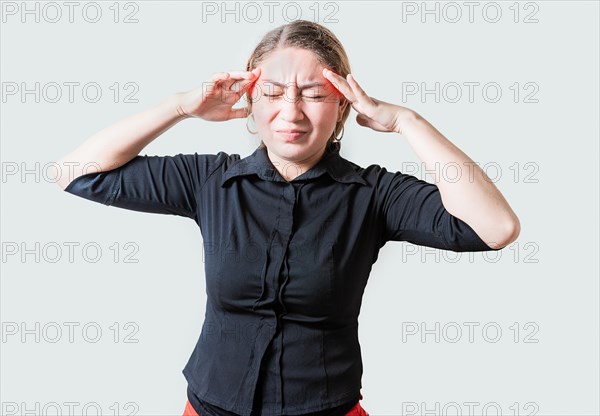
(340,84)
(241,74)
(358,91)
(238,79)
(239,112)
(239,87)
(216,80)
(219,76)
(231,76)
(257,73)
(331,83)
(368,122)
(362,120)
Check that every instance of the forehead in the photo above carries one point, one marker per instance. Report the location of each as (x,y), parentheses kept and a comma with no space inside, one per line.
(291,65)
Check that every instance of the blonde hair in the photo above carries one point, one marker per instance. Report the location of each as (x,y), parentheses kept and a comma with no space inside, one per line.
(312,37)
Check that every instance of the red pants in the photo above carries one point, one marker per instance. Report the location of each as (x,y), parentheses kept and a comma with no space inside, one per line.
(355,411)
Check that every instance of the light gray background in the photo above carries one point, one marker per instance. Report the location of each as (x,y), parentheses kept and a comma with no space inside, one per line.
(549,278)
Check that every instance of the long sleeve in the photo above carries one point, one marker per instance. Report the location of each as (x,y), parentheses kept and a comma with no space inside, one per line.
(412,210)
(154,184)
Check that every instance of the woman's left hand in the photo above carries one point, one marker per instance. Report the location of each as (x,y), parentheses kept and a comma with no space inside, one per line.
(373,113)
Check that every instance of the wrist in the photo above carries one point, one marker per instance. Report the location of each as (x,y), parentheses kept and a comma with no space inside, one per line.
(405,119)
(173,103)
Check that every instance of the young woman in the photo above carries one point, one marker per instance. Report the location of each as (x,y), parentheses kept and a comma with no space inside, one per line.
(291,231)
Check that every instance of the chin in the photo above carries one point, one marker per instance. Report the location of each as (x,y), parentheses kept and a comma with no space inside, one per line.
(293,150)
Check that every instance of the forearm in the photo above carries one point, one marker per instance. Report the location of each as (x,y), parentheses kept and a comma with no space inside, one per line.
(469,195)
(118,143)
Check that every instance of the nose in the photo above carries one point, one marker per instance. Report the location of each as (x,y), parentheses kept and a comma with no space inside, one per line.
(291,105)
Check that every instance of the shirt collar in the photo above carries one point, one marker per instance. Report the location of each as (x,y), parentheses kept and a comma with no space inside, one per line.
(258,163)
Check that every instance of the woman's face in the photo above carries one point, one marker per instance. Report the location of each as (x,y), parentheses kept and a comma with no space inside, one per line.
(292,94)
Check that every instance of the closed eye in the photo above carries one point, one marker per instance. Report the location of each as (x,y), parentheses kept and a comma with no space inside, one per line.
(315,97)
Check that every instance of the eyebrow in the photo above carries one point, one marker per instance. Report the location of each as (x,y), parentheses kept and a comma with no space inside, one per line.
(301,87)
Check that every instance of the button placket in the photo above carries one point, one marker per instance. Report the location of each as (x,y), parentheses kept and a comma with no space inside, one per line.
(264,272)
(296,189)
(278,269)
(287,223)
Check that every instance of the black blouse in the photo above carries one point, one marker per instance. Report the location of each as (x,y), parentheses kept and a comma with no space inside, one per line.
(286,265)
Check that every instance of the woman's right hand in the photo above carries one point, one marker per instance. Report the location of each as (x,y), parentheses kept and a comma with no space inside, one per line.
(213,102)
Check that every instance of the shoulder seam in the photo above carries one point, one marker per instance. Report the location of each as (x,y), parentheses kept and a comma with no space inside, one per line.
(227,156)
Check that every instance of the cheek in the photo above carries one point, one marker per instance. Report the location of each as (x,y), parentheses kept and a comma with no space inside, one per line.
(263,113)
(322,115)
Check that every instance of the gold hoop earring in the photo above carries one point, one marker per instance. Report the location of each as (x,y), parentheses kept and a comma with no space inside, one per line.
(247,128)
(336,139)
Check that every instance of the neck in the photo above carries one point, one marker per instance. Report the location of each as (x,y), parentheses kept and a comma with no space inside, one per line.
(290,169)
